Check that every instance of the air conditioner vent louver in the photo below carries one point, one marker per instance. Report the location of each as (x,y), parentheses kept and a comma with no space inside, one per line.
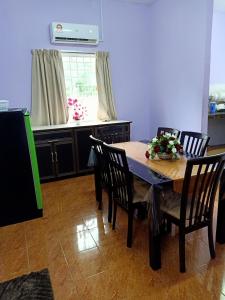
(74,33)
(74,40)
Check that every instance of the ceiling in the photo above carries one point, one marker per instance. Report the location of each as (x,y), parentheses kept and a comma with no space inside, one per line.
(218,4)
(141,1)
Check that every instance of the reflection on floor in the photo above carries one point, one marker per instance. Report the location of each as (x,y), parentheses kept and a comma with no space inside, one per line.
(87,260)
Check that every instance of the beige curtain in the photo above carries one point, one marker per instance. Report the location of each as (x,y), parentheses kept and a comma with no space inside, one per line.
(49,103)
(106,109)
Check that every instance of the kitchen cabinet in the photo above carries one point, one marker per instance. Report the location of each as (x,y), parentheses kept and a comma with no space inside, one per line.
(83,147)
(45,160)
(113,133)
(64,158)
(216,128)
(55,154)
(63,151)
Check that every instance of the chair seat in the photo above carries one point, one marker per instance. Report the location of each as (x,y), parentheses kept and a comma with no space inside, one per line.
(141,188)
(170,202)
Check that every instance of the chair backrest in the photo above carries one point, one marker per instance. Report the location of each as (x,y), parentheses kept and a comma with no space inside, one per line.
(194,143)
(97,146)
(120,174)
(201,180)
(173,131)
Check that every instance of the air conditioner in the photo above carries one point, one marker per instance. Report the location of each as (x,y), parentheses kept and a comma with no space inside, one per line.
(68,33)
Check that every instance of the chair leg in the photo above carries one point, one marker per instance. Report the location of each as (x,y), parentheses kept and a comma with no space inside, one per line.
(165,226)
(100,204)
(98,188)
(130,228)
(141,211)
(182,251)
(114,214)
(211,242)
(110,207)
(168,226)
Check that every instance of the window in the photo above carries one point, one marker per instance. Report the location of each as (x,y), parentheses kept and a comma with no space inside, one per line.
(80,78)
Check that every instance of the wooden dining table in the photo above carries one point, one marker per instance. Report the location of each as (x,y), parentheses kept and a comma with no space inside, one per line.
(173,169)
(157,172)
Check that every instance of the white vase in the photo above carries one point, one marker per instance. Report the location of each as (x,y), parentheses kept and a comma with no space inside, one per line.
(77,122)
(70,112)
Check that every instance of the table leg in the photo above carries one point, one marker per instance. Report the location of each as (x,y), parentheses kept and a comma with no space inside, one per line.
(154,250)
(154,229)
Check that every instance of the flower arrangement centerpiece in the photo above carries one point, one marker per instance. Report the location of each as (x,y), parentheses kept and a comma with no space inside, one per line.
(79,110)
(165,146)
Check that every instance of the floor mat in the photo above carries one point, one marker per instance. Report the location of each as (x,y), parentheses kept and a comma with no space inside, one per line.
(33,286)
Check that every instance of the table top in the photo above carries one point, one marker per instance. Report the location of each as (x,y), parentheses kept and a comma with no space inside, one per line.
(173,169)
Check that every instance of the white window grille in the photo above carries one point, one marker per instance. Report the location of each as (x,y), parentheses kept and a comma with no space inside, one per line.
(80,79)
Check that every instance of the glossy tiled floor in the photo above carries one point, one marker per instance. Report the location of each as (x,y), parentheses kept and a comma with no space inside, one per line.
(87,260)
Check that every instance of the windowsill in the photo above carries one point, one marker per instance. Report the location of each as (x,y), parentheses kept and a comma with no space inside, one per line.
(83,122)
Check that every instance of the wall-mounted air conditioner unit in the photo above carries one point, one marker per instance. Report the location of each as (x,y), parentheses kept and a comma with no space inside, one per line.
(67,33)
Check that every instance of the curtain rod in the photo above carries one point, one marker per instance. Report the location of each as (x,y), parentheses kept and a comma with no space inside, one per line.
(68,51)
(79,52)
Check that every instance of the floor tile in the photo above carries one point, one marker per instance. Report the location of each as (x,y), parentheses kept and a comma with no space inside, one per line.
(88,260)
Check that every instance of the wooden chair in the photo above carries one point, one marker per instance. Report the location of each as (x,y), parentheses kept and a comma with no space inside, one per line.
(194,209)
(222,187)
(163,130)
(194,143)
(102,180)
(127,192)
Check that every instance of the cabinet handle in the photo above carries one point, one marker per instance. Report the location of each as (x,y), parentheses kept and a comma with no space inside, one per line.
(56,156)
(52,157)
(53,141)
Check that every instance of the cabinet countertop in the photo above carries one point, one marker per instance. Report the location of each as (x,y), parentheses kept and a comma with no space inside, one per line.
(216,114)
(77,125)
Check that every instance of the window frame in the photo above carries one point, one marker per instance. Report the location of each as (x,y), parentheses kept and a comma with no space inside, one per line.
(85,103)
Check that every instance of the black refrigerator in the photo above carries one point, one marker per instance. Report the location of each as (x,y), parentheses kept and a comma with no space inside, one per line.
(20,191)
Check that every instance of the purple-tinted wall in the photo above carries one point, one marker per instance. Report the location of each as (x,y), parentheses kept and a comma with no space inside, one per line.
(25,25)
(159,55)
(180,32)
(217,67)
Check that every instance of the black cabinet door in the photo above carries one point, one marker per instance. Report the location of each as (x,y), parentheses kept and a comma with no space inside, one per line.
(65,152)
(64,156)
(46,163)
(83,147)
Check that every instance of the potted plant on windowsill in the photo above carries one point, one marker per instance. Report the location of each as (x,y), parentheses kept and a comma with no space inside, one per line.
(165,146)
